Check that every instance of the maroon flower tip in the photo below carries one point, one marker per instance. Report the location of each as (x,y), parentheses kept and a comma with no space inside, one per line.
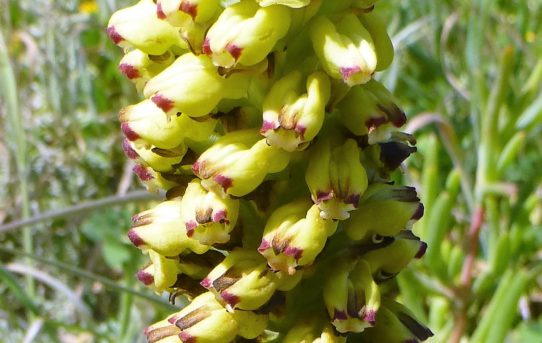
(135,218)
(221,217)
(134,238)
(300,129)
(128,150)
(419,212)
(159,12)
(411,340)
(229,298)
(370,317)
(196,167)
(352,199)
(234,51)
(323,196)
(347,72)
(129,71)
(339,315)
(374,122)
(128,132)
(224,181)
(422,250)
(399,119)
(189,8)
(142,172)
(114,35)
(267,125)
(206,283)
(206,47)
(264,246)
(146,278)
(190,228)
(296,253)
(163,103)
(187,338)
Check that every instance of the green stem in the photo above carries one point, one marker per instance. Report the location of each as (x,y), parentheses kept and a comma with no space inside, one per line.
(8,91)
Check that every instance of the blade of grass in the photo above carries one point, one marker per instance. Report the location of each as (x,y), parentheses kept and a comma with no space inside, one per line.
(10,281)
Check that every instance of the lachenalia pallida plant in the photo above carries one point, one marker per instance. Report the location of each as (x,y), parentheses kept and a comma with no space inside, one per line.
(263,123)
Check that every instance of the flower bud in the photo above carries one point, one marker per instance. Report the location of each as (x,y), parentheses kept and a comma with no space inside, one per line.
(208,218)
(384,210)
(312,330)
(346,50)
(179,12)
(390,260)
(294,235)
(139,67)
(162,230)
(237,163)
(138,27)
(146,124)
(351,296)
(190,85)
(242,281)
(154,181)
(291,119)
(376,25)
(160,160)
(161,274)
(336,178)
(245,33)
(204,320)
(251,325)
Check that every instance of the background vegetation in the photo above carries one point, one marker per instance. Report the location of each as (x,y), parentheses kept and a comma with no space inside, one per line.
(468,74)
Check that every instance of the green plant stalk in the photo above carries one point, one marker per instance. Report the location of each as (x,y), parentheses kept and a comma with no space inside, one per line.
(8,90)
(430,188)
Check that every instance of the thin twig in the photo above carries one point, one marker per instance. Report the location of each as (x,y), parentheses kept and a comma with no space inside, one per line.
(81,208)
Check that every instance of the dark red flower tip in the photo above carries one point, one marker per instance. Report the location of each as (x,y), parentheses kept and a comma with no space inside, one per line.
(114,35)
(128,132)
(159,12)
(206,283)
(142,172)
(347,72)
(206,47)
(128,150)
(146,278)
(187,338)
(370,317)
(163,103)
(234,50)
(422,250)
(224,181)
(264,246)
(230,299)
(129,71)
(295,252)
(189,8)
(339,315)
(135,239)
(418,214)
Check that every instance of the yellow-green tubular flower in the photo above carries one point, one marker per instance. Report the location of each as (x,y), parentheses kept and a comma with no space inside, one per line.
(245,33)
(336,178)
(139,67)
(161,274)
(351,296)
(395,323)
(138,27)
(242,281)
(390,260)
(346,50)
(384,210)
(180,12)
(190,85)
(146,124)
(162,230)
(160,160)
(292,119)
(375,24)
(251,325)
(204,320)
(294,235)
(288,3)
(312,330)
(208,217)
(153,181)
(238,163)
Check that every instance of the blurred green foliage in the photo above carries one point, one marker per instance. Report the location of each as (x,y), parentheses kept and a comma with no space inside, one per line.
(468,74)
